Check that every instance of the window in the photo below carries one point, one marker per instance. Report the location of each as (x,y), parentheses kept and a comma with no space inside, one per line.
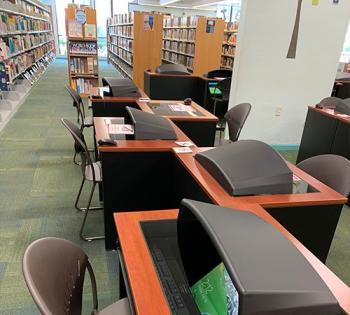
(61,26)
(103,11)
(345,56)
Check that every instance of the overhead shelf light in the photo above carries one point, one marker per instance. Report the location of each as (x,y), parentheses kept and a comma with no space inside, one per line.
(167,2)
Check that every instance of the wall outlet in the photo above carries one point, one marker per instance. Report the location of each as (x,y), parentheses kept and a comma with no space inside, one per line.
(278,111)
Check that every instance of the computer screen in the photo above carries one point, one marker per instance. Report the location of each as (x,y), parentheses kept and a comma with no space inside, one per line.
(215,293)
(213,88)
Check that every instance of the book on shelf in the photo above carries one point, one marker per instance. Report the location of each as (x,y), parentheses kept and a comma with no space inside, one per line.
(3,77)
(15,23)
(83,65)
(185,21)
(90,30)
(83,48)
(82,86)
(75,29)
(121,19)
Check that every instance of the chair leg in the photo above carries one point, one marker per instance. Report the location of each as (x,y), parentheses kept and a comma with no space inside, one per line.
(75,159)
(78,197)
(90,238)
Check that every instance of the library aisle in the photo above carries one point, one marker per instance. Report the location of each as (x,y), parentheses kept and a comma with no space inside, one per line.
(39,183)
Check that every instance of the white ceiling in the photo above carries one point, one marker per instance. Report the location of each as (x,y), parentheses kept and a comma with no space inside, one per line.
(193,4)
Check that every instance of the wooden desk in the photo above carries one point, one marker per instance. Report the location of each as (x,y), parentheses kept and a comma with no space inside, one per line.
(161,178)
(200,129)
(325,132)
(147,294)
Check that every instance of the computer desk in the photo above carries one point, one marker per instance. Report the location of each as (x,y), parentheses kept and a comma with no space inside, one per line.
(141,282)
(149,175)
(325,132)
(200,128)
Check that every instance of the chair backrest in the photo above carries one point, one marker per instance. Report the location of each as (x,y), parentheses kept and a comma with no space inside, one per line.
(172,69)
(224,86)
(77,102)
(332,170)
(54,271)
(80,145)
(330,102)
(236,117)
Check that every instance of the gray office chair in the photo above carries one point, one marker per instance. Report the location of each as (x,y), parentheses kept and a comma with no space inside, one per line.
(332,170)
(236,118)
(172,69)
(91,172)
(82,119)
(54,271)
(330,102)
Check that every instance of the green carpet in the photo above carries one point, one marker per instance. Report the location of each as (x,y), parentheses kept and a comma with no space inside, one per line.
(38,186)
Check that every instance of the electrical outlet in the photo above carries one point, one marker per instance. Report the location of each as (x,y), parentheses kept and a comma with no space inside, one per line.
(278,111)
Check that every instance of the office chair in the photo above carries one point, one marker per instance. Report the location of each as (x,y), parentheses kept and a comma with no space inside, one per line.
(219,73)
(54,271)
(332,170)
(330,102)
(82,119)
(221,103)
(236,118)
(91,172)
(172,69)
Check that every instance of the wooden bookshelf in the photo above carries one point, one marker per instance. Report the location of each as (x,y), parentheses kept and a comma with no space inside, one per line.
(186,40)
(82,49)
(26,37)
(134,47)
(229,45)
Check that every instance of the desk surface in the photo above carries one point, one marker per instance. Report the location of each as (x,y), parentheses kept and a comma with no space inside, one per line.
(331,113)
(204,115)
(146,289)
(101,132)
(218,195)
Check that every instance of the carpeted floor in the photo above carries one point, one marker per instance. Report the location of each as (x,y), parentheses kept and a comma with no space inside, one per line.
(38,186)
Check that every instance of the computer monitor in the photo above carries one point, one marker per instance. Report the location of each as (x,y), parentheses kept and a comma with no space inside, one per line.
(248,167)
(229,252)
(172,69)
(215,293)
(148,126)
(213,90)
(120,87)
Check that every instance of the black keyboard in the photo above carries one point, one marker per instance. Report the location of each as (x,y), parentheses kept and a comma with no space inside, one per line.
(171,290)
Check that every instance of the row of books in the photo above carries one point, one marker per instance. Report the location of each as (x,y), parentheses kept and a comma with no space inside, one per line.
(30,9)
(227,62)
(126,70)
(228,50)
(184,21)
(126,30)
(180,34)
(82,86)
(176,58)
(83,65)
(14,44)
(24,9)
(17,65)
(122,42)
(83,48)
(121,19)
(183,47)
(230,38)
(17,23)
(121,53)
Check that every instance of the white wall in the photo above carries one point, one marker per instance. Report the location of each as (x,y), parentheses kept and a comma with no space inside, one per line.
(265,78)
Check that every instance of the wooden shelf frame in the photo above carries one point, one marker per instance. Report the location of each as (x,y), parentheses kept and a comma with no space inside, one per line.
(92,77)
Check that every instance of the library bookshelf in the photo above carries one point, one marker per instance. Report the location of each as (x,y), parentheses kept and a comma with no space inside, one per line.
(229,45)
(194,41)
(82,49)
(134,43)
(26,39)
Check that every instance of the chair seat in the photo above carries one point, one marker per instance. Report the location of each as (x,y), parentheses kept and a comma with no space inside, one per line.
(98,172)
(120,307)
(88,121)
